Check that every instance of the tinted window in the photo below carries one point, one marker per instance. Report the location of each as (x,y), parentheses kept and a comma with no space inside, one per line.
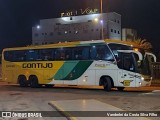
(95,52)
(101,52)
(114,46)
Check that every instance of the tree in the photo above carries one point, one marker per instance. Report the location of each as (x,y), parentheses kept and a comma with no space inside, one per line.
(147,46)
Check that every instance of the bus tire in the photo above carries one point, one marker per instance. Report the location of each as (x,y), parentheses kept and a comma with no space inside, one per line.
(33,81)
(49,85)
(120,88)
(107,84)
(22,80)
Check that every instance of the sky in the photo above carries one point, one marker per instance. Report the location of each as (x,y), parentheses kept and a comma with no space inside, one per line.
(17,17)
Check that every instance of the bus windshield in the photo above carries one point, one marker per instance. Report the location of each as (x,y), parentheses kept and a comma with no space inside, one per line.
(145,67)
(146,64)
(126,61)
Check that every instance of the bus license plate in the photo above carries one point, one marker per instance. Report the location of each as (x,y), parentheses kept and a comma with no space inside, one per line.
(126,82)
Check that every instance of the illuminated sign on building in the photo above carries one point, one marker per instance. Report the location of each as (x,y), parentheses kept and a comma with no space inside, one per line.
(79,12)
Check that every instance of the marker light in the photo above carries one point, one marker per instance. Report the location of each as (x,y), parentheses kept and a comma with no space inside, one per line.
(136,49)
(96,19)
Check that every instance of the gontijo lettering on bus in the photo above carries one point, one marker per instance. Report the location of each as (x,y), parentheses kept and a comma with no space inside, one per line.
(37,65)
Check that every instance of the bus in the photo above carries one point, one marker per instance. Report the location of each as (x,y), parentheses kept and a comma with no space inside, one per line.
(96,62)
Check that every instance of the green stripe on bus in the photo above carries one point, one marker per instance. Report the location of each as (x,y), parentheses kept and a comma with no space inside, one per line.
(66,68)
(79,69)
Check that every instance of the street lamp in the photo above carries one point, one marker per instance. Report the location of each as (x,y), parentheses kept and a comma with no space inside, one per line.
(101,6)
(101,16)
(38,27)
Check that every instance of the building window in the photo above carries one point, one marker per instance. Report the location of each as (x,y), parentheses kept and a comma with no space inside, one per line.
(118,32)
(117,21)
(97,29)
(114,31)
(89,20)
(59,33)
(45,33)
(42,33)
(71,18)
(51,34)
(70,32)
(36,34)
(111,30)
(76,32)
(85,31)
(58,23)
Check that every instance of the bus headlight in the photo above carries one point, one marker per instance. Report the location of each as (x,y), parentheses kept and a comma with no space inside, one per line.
(142,78)
(140,83)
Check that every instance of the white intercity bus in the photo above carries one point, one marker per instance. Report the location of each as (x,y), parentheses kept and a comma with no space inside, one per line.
(100,62)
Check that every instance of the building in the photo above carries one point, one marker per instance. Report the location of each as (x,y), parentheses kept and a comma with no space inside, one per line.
(129,34)
(78,28)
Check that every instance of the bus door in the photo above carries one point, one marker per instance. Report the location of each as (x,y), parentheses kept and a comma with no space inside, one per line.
(127,67)
(149,59)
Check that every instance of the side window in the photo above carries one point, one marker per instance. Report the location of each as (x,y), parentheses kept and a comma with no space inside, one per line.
(128,63)
(101,52)
(59,54)
(93,52)
(32,55)
(77,53)
(45,54)
(15,56)
(8,55)
(20,56)
(81,53)
(68,53)
(115,46)
(85,53)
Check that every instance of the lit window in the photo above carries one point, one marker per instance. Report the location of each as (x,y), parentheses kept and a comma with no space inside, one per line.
(76,32)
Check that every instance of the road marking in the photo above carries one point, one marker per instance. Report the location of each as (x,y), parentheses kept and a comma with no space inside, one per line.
(64,106)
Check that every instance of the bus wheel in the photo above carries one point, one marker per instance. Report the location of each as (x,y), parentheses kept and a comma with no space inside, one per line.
(48,86)
(107,84)
(120,88)
(33,81)
(22,81)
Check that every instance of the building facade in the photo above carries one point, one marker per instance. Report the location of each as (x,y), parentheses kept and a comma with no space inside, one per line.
(78,28)
(129,34)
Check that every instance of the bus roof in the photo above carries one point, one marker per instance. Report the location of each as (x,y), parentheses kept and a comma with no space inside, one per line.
(70,44)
